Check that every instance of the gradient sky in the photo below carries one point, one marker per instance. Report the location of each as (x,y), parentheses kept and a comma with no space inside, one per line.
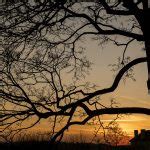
(129,93)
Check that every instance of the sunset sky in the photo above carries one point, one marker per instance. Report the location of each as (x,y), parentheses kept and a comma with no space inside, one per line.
(129,93)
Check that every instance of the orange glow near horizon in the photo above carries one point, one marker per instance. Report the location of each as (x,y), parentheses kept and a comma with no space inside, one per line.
(128,124)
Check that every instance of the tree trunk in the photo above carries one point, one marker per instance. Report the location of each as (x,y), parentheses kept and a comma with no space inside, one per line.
(147,47)
(146,33)
(143,18)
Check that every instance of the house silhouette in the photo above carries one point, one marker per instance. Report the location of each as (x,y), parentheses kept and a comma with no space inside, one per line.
(141,139)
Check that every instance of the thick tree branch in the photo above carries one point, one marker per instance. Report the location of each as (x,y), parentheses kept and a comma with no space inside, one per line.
(110,89)
(115,31)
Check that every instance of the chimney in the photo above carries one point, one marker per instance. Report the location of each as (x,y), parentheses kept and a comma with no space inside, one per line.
(143,131)
(135,133)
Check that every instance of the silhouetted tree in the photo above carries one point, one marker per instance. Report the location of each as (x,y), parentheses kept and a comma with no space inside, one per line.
(114,135)
(39,43)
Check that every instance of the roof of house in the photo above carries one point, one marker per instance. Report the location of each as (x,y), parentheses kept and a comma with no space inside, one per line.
(142,137)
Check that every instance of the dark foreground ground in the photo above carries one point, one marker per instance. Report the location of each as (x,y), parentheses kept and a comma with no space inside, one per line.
(65,146)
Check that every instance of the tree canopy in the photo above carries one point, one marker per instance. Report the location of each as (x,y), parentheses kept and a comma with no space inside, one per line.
(40,43)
